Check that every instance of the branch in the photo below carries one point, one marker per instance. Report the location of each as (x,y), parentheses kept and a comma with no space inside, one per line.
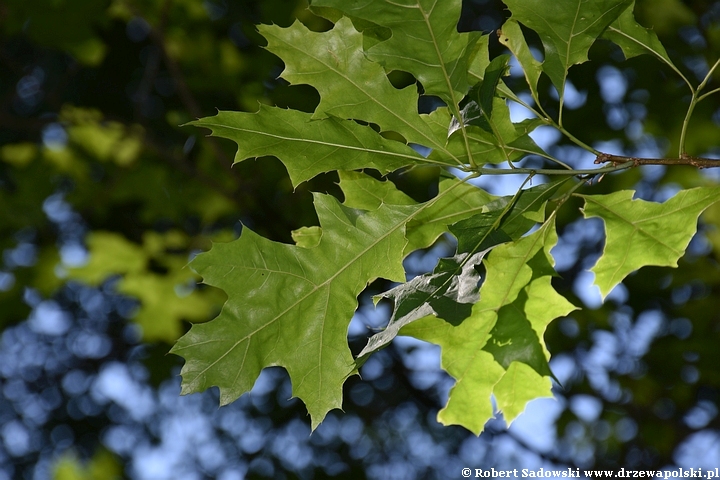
(697,162)
(628,163)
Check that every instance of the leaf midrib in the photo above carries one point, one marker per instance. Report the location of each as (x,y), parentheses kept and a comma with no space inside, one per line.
(434,142)
(638,225)
(446,77)
(328,281)
(417,158)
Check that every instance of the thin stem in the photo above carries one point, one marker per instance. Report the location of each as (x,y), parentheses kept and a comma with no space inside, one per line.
(686,122)
(694,101)
(550,171)
(572,191)
(543,155)
(702,97)
(547,120)
(467,143)
(707,77)
(576,141)
(676,70)
(657,54)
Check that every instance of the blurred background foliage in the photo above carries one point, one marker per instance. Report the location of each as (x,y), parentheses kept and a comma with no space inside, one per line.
(104,197)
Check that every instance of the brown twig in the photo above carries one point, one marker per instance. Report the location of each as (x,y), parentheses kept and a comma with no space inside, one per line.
(697,162)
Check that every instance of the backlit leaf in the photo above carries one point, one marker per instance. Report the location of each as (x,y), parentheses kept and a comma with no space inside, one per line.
(307,237)
(517,387)
(472,351)
(567,28)
(512,37)
(448,293)
(640,233)
(367,193)
(633,38)
(451,289)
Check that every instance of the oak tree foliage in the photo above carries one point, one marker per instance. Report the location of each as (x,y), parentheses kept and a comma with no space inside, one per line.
(488,305)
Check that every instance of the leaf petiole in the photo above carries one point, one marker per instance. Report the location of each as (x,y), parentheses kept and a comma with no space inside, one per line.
(696,97)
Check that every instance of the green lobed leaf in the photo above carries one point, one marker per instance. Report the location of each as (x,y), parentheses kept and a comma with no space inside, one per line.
(633,38)
(308,147)
(110,254)
(372,32)
(350,85)
(515,286)
(494,72)
(162,308)
(509,270)
(640,233)
(512,37)
(479,60)
(455,201)
(567,28)
(544,304)
(448,293)
(513,337)
(513,341)
(519,385)
(450,290)
(483,145)
(162,311)
(367,193)
(475,371)
(424,41)
(511,141)
(290,306)
(528,209)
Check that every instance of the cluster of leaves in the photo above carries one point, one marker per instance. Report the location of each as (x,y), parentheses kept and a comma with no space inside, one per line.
(290,305)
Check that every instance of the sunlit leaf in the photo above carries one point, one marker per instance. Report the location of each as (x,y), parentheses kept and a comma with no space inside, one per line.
(471,350)
(448,293)
(633,38)
(483,146)
(165,300)
(512,37)
(519,385)
(350,85)
(307,237)
(424,41)
(365,192)
(290,306)
(456,200)
(109,254)
(567,28)
(308,147)
(450,290)
(641,233)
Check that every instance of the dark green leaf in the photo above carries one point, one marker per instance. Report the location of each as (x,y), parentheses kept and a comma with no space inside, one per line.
(308,147)
(290,306)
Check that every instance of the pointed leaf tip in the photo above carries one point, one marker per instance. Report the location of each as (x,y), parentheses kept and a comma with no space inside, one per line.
(290,305)
(641,233)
